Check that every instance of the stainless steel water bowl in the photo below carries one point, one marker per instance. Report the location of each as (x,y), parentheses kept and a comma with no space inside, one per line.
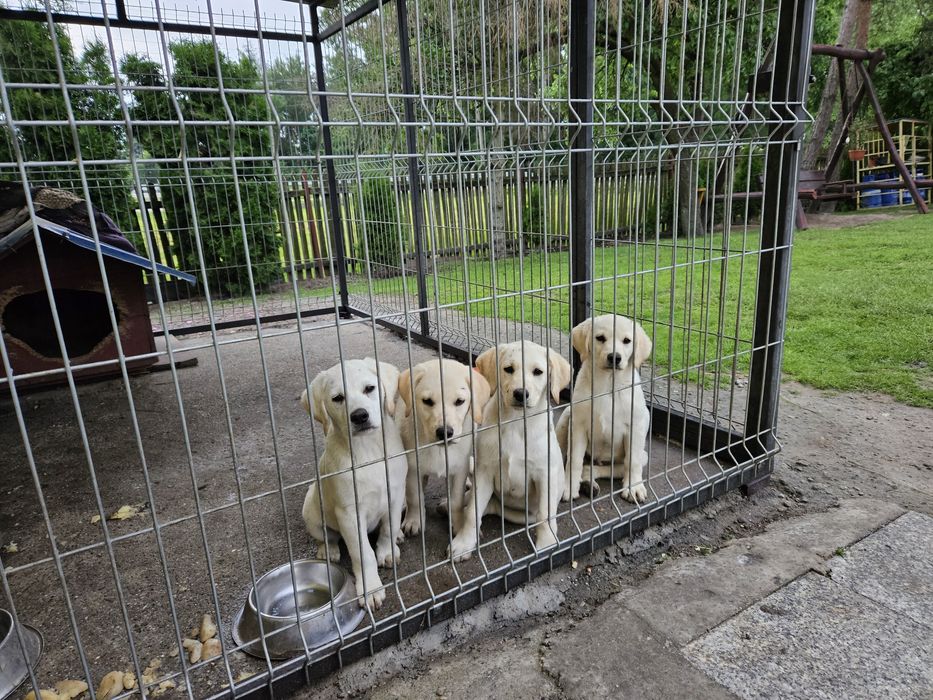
(13,667)
(273,601)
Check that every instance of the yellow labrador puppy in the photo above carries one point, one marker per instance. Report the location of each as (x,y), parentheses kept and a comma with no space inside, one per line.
(517,454)
(362,444)
(610,416)
(443,398)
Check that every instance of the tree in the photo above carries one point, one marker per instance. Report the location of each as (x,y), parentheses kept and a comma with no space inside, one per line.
(222,219)
(27,54)
(288,80)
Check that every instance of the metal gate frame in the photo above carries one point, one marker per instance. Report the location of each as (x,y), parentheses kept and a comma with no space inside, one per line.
(750,453)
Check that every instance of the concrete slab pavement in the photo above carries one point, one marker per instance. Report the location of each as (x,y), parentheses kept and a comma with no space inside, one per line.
(815,639)
(631,644)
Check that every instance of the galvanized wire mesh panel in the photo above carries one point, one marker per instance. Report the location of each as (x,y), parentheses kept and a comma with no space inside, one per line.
(404,181)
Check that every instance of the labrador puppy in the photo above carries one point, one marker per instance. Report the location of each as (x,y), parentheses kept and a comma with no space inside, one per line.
(443,398)
(517,454)
(361,475)
(608,417)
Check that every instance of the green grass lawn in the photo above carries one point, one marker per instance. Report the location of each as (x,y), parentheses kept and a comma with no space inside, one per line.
(861,309)
(860,315)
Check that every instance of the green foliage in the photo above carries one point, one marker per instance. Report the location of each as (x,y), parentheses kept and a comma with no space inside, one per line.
(382,230)
(27,53)
(904,80)
(288,79)
(230,203)
(533,217)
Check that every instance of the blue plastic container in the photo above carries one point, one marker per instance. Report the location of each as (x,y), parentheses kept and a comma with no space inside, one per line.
(871,198)
(908,197)
(889,197)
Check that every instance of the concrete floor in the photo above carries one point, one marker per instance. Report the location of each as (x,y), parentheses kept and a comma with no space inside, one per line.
(231,474)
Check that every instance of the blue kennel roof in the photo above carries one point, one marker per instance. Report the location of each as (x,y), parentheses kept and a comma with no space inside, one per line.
(25,232)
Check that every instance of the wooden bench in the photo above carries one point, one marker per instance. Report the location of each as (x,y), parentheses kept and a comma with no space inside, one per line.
(813,187)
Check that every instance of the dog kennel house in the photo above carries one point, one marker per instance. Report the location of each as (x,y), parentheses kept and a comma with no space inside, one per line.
(31,330)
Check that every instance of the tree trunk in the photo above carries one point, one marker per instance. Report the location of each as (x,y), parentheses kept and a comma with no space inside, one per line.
(862,24)
(689,221)
(498,235)
(814,148)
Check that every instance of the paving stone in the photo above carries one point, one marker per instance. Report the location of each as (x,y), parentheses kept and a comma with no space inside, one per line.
(687,597)
(816,639)
(616,654)
(893,566)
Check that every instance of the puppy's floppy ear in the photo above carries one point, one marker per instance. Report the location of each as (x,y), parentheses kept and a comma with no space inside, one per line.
(404,390)
(642,346)
(580,338)
(560,372)
(305,403)
(480,391)
(389,379)
(317,410)
(486,364)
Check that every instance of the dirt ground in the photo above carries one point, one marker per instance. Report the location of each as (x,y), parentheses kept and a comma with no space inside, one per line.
(835,446)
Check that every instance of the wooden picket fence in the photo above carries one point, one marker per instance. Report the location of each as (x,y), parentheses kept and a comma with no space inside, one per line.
(457,212)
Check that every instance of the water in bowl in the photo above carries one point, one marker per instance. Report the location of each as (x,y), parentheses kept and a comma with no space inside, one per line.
(309,598)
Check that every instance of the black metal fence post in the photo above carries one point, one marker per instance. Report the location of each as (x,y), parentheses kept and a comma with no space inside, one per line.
(414,177)
(333,195)
(788,94)
(582,55)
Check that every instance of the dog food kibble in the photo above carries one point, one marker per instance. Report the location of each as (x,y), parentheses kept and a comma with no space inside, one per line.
(211,648)
(208,629)
(44,694)
(70,689)
(110,686)
(194,649)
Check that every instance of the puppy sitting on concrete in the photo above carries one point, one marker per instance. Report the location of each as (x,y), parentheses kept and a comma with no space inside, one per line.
(443,398)
(517,454)
(362,446)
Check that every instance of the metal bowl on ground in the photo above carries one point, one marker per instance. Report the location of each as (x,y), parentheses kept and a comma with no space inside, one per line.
(273,600)
(13,667)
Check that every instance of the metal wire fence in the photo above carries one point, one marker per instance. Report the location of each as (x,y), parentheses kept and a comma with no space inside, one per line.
(404,181)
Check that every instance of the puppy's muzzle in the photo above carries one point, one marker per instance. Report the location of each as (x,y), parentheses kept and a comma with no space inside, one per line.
(444,432)
(614,360)
(520,397)
(360,419)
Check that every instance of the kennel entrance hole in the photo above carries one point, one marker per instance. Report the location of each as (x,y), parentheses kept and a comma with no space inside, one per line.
(83,314)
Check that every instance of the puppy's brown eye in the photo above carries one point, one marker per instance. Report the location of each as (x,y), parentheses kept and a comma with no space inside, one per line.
(427,402)
(458,402)
(369,389)
(508,370)
(338,398)
(537,371)
(601,338)
(626,341)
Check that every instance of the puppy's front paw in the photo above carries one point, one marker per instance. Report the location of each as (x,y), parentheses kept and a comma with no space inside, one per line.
(374,599)
(571,492)
(545,539)
(331,552)
(411,525)
(461,548)
(635,494)
(384,554)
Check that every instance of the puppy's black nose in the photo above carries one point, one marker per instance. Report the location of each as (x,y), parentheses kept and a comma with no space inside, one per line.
(359,417)
(614,359)
(521,395)
(445,431)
